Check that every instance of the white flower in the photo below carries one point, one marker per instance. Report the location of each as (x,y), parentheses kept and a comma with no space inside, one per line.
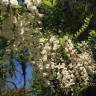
(73,52)
(41,40)
(47,66)
(30,5)
(69,41)
(70,65)
(40,67)
(81,68)
(39,28)
(28,2)
(67,85)
(45,58)
(36,2)
(62,66)
(40,15)
(44,52)
(71,81)
(34,7)
(44,74)
(79,64)
(52,65)
(66,49)
(48,82)
(14,20)
(54,38)
(47,46)
(59,76)
(22,31)
(70,46)
(5,1)
(13,2)
(55,47)
(72,76)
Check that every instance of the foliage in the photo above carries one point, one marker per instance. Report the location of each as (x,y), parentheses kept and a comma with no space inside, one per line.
(50,3)
(62,60)
(61,17)
(48,37)
(84,26)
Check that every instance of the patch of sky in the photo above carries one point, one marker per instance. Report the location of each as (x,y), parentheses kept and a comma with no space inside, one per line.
(18,77)
(21,1)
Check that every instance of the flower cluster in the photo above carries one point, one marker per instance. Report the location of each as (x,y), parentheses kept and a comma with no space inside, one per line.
(77,68)
(28,2)
(13,2)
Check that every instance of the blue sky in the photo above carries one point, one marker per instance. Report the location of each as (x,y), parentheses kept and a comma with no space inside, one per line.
(21,1)
(18,79)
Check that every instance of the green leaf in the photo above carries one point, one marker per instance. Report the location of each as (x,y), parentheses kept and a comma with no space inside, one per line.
(50,3)
(61,41)
(2,18)
(18,6)
(92,33)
